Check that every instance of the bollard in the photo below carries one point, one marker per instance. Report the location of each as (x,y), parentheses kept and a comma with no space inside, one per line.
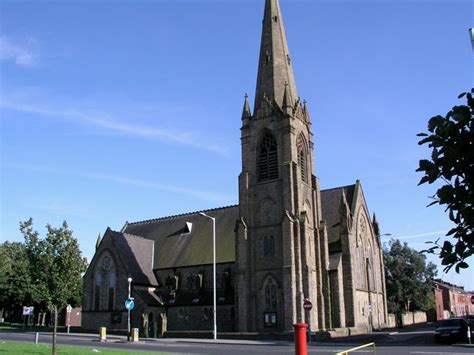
(135,335)
(300,338)
(37,335)
(102,334)
(469,334)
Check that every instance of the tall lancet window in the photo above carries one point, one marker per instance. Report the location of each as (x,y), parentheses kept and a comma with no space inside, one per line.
(97,289)
(267,159)
(302,158)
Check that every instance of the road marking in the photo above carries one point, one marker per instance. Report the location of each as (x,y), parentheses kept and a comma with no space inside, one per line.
(437,353)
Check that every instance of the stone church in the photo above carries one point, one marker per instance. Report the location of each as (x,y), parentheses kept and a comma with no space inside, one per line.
(285,242)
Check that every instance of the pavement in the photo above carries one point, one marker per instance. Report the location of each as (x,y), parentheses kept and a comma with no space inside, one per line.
(416,342)
(381,337)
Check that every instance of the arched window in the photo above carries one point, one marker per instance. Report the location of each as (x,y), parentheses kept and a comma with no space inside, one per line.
(268,246)
(268,301)
(104,284)
(271,245)
(111,290)
(270,289)
(273,296)
(265,246)
(302,161)
(97,289)
(267,158)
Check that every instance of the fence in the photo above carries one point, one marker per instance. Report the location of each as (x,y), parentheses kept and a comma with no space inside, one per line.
(346,352)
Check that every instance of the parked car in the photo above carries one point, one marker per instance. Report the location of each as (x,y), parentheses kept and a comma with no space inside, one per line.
(451,330)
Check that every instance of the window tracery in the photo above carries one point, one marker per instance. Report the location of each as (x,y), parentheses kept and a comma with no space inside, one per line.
(267,159)
(302,158)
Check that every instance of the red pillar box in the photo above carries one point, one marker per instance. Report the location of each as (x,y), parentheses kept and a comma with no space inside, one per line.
(300,338)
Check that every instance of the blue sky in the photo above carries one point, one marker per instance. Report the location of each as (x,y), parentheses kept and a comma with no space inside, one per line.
(115,111)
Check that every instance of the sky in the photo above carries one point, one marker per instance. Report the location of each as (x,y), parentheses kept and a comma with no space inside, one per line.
(115,111)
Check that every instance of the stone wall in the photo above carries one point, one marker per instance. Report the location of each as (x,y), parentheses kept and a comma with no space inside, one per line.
(411,318)
(200,318)
(391,320)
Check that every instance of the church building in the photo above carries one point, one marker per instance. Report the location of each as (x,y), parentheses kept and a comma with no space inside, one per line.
(285,244)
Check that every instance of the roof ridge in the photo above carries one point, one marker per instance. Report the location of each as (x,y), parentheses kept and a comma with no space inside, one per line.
(180,215)
(127,234)
(136,236)
(338,187)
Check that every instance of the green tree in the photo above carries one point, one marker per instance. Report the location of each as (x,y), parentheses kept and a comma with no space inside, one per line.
(15,277)
(408,278)
(56,267)
(451,139)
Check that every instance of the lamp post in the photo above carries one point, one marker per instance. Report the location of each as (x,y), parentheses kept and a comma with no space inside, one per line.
(128,319)
(213,269)
(377,284)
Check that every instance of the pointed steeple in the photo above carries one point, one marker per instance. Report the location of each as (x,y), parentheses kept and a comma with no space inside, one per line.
(306,112)
(97,243)
(246,114)
(274,67)
(287,103)
(376,226)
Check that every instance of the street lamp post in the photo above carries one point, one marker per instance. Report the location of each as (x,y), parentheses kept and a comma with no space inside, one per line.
(128,319)
(377,284)
(213,269)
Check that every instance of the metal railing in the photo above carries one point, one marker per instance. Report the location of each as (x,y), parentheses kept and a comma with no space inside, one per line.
(346,352)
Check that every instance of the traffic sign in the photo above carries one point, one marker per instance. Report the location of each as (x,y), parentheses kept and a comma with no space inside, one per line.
(28,311)
(307,305)
(129,304)
(68,308)
(472,299)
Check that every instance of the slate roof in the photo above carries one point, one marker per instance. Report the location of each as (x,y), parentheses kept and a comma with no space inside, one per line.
(146,297)
(137,255)
(173,249)
(330,204)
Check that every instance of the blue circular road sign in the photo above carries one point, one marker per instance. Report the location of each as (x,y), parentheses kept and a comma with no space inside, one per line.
(129,304)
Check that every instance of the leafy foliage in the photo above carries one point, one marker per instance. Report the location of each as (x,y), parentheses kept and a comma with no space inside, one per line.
(56,265)
(15,278)
(451,139)
(45,273)
(407,278)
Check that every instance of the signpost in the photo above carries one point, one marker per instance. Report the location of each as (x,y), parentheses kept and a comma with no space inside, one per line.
(28,312)
(308,306)
(129,304)
(68,310)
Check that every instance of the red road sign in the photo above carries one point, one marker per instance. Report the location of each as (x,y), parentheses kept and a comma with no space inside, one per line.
(472,299)
(307,305)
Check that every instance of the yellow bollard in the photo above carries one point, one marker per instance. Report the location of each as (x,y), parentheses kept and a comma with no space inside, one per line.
(135,335)
(103,334)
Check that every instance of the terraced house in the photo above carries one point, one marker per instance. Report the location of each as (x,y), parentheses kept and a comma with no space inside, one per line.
(286,241)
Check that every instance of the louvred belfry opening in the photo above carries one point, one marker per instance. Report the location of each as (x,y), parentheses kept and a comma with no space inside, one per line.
(267,162)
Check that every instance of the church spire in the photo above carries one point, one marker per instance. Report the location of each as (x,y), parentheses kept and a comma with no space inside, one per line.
(246,114)
(274,67)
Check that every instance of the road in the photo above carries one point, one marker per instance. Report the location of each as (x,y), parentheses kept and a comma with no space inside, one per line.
(413,343)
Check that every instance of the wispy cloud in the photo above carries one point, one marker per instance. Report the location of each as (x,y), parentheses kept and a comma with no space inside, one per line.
(441,233)
(60,208)
(113,125)
(200,194)
(23,55)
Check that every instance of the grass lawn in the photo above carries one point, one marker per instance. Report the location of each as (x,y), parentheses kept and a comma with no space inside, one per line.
(12,347)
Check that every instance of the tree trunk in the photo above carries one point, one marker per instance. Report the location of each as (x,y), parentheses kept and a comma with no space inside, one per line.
(55,310)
